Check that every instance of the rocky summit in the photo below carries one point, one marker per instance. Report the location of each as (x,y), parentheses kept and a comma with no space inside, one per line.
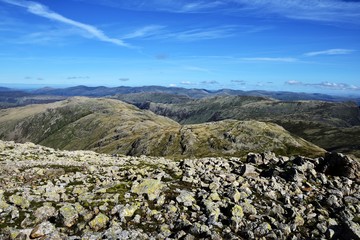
(52,194)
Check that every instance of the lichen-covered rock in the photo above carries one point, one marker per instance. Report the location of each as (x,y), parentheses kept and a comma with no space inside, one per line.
(248,208)
(262,229)
(44,213)
(186,198)
(43,229)
(237,215)
(99,222)
(128,210)
(3,204)
(69,215)
(151,187)
(19,201)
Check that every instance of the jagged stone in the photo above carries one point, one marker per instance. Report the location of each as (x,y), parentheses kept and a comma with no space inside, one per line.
(249,170)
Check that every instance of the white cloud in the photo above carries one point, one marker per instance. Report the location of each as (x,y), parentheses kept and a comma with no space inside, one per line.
(293,82)
(188,83)
(41,10)
(335,51)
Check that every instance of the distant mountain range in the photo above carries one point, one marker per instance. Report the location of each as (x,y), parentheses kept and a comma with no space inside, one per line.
(331,122)
(102,91)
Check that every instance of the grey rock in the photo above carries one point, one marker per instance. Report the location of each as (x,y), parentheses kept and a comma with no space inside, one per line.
(43,229)
(186,198)
(44,213)
(69,215)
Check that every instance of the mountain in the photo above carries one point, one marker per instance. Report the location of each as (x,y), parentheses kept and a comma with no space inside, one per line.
(15,98)
(102,91)
(323,123)
(4,89)
(108,91)
(143,99)
(112,126)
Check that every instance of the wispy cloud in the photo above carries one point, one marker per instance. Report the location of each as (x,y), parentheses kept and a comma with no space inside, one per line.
(212,82)
(42,11)
(196,6)
(335,51)
(144,32)
(326,85)
(197,34)
(34,78)
(270,59)
(47,36)
(324,10)
(239,82)
(189,34)
(315,10)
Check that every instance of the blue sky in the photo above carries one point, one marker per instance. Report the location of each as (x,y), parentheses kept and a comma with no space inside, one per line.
(293,45)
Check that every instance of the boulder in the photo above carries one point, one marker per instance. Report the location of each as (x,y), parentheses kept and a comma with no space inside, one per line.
(337,164)
(69,215)
(151,187)
(99,222)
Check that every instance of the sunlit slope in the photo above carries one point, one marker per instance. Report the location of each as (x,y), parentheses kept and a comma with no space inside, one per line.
(333,126)
(111,126)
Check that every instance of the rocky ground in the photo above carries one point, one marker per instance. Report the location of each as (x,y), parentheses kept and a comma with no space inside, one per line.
(49,194)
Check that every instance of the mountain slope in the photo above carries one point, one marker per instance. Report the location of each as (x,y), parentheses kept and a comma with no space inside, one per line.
(111,126)
(322,123)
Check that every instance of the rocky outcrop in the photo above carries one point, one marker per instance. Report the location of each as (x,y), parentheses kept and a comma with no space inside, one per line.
(112,197)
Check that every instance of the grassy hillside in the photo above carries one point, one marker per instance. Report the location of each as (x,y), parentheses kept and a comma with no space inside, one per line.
(111,126)
(322,123)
